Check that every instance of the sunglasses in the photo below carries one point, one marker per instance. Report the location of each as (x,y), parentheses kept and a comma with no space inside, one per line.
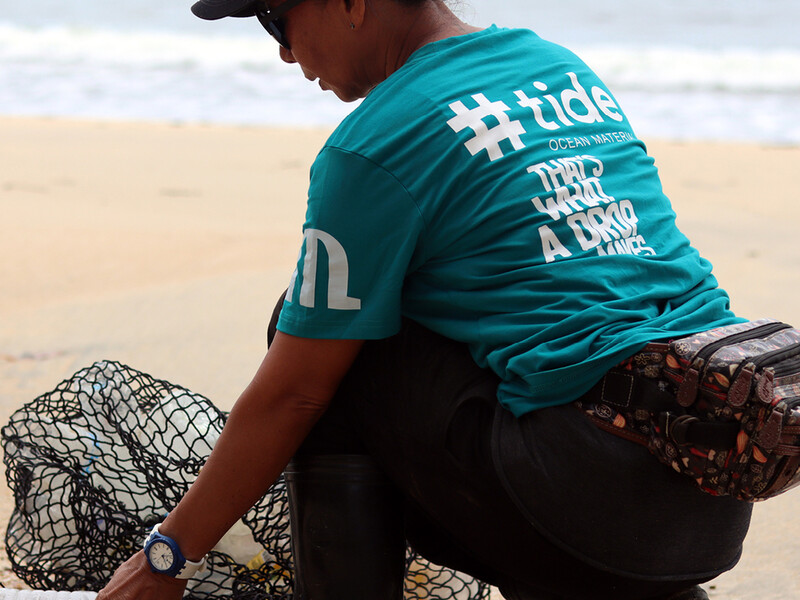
(270,20)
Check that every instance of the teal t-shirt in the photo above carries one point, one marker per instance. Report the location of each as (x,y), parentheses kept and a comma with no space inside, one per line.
(493,190)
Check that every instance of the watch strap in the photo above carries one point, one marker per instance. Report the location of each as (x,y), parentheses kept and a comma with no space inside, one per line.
(190,568)
(183,568)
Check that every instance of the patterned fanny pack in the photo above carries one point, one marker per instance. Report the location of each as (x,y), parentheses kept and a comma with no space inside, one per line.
(722,407)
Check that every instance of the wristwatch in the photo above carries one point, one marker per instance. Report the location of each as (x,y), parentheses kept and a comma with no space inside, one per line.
(165,557)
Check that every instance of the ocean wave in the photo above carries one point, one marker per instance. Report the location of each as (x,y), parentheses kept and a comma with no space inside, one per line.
(73,45)
(74,71)
(668,69)
(657,69)
(88,72)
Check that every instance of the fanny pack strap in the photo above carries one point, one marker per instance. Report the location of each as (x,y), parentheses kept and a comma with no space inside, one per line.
(628,390)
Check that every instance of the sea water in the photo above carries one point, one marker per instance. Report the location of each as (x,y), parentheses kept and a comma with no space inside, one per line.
(683,69)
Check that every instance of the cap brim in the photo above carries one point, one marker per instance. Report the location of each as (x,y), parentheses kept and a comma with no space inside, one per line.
(216,9)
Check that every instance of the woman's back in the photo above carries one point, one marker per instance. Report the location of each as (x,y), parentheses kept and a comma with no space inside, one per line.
(492,190)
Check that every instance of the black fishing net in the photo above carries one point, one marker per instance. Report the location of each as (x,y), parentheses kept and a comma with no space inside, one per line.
(94,464)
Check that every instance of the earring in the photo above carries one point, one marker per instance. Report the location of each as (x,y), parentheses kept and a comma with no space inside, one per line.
(352,25)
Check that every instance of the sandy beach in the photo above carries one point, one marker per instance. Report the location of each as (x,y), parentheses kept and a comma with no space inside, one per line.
(165,247)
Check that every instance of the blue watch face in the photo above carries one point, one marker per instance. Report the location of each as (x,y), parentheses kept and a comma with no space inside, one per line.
(161,556)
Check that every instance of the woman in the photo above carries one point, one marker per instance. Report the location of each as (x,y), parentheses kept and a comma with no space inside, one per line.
(485,239)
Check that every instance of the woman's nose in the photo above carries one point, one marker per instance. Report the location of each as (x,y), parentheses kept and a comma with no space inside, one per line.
(286,55)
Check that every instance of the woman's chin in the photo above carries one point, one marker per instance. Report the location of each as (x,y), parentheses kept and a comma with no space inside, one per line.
(343,95)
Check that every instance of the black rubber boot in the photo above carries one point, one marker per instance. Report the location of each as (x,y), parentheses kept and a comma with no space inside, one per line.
(693,593)
(347,529)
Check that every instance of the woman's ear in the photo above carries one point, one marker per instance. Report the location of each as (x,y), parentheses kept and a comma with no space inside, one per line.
(356,10)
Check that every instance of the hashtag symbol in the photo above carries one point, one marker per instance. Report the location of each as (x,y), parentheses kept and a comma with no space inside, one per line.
(485,138)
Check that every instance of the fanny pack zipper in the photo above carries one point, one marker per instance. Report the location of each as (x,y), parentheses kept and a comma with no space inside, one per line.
(789,366)
(687,392)
(742,379)
(758,332)
(769,358)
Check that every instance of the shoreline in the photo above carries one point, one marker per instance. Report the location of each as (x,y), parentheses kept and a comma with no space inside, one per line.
(165,246)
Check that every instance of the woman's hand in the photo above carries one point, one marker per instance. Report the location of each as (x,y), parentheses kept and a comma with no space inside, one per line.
(134,580)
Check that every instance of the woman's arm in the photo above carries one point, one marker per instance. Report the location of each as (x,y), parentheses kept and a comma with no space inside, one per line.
(288,394)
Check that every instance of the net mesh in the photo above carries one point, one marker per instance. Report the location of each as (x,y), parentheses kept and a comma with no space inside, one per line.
(97,462)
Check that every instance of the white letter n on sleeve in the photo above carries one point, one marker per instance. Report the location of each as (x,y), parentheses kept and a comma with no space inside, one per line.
(338,273)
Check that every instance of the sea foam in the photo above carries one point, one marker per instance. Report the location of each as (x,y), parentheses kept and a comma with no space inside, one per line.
(674,92)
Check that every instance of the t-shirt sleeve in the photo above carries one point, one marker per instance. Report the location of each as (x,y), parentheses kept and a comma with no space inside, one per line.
(359,238)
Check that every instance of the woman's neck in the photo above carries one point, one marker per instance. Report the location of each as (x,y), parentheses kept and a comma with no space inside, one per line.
(407,29)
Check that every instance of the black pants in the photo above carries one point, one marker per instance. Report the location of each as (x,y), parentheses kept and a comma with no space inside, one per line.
(420,406)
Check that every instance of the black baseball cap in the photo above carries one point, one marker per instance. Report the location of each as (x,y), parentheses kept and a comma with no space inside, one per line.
(216,9)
